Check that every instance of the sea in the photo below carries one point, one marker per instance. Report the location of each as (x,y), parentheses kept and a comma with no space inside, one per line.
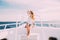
(10,24)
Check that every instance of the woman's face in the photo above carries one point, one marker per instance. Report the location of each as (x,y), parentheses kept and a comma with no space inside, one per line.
(29,13)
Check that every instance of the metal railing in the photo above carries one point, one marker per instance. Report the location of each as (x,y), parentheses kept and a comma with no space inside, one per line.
(47,23)
(5,25)
(37,23)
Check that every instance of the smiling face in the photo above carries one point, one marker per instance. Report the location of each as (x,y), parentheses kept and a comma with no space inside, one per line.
(30,13)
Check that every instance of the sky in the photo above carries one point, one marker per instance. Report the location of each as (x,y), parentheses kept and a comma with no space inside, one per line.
(44,10)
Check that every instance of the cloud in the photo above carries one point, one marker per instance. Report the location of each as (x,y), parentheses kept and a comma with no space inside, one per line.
(36,3)
(11,5)
(43,9)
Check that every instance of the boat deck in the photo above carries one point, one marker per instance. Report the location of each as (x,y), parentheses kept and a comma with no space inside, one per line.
(37,33)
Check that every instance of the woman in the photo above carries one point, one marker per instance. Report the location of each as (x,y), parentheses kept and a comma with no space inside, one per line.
(30,22)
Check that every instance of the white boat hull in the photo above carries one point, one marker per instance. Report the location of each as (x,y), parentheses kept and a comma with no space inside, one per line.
(37,33)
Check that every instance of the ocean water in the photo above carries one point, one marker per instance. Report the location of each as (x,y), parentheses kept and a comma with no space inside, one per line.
(10,24)
(2,25)
(19,23)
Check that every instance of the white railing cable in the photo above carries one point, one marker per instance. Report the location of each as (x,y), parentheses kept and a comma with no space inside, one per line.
(5,25)
(49,22)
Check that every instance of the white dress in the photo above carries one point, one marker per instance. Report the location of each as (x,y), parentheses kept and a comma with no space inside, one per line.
(30,21)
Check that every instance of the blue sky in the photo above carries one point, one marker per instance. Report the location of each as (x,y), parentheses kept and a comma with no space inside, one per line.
(5,5)
(43,9)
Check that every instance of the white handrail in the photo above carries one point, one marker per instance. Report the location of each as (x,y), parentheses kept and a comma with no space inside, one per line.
(5,25)
(42,22)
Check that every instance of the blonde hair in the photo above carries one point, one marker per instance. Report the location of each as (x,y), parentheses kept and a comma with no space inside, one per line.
(32,15)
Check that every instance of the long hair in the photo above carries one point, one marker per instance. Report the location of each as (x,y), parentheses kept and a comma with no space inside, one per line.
(32,15)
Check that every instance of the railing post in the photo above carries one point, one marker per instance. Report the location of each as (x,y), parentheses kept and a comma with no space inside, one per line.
(41,23)
(16,24)
(16,30)
(5,26)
